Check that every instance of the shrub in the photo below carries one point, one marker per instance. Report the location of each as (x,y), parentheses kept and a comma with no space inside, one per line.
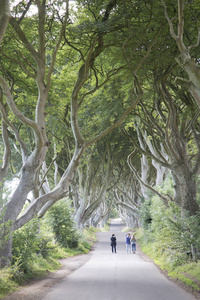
(171,233)
(6,282)
(25,243)
(63,226)
(29,240)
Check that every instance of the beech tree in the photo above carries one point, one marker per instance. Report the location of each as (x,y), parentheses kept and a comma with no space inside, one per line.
(98,174)
(128,200)
(174,145)
(4,17)
(187,61)
(54,65)
(39,65)
(4,20)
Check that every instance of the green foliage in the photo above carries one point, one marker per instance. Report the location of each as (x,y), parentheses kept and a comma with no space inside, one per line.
(35,252)
(189,274)
(172,240)
(145,216)
(106,227)
(63,226)
(28,241)
(25,244)
(5,230)
(6,282)
(171,236)
(89,234)
(114,214)
(87,239)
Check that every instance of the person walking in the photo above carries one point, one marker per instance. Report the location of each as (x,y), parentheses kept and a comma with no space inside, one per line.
(128,243)
(133,243)
(113,243)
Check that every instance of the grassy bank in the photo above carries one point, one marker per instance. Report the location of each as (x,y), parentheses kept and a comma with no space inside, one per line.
(187,273)
(38,266)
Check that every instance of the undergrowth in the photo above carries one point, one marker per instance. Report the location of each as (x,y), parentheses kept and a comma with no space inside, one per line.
(36,251)
(170,236)
(187,272)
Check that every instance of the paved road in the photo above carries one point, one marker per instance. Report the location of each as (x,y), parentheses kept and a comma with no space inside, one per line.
(120,276)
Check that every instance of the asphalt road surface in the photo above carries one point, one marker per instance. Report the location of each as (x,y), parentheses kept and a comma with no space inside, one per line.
(120,276)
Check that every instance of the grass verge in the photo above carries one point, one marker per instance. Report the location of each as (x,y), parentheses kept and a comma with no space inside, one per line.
(38,267)
(187,273)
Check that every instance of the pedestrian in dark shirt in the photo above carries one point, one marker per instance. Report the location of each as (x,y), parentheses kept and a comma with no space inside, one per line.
(113,243)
